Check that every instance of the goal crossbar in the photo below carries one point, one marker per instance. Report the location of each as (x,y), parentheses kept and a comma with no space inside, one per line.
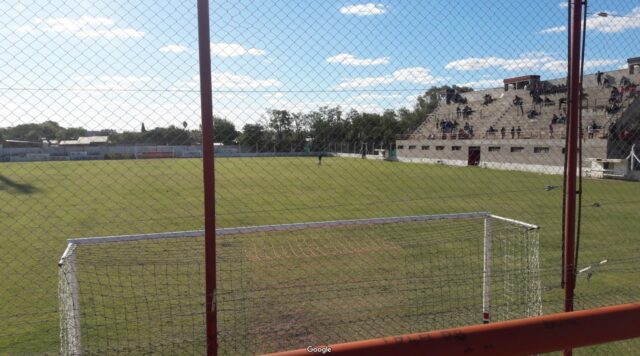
(288,227)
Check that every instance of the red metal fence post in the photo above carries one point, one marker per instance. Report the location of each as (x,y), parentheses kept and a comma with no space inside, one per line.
(574,103)
(206,101)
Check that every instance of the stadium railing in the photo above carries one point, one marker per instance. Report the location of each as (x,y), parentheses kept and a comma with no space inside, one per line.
(553,332)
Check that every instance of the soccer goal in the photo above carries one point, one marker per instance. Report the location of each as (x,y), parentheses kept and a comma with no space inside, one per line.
(290,286)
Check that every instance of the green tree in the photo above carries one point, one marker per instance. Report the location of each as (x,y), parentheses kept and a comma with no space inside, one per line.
(281,121)
(253,136)
(425,104)
(224,131)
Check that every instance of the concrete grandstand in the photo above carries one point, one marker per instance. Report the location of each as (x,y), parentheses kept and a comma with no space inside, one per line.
(521,126)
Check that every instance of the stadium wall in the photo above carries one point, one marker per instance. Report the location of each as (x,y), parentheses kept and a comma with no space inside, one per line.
(35,154)
(532,155)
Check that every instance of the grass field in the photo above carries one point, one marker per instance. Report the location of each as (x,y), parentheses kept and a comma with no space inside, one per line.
(45,203)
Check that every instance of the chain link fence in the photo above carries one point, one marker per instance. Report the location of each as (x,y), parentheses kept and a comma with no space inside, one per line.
(323,111)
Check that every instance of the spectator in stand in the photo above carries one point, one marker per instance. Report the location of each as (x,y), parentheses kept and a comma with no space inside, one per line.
(518,131)
(590,131)
(503,132)
(458,111)
(550,130)
(562,119)
(521,108)
(513,132)
(625,82)
(554,119)
(621,93)
(615,96)
(489,132)
(560,102)
(466,111)
(517,100)
(599,78)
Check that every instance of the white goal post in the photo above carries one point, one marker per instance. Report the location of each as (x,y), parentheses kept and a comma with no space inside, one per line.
(133,293)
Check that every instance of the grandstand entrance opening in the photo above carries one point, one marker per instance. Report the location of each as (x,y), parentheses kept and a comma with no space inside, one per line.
(474,156)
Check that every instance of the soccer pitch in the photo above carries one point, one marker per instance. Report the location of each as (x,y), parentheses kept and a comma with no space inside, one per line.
(47,202)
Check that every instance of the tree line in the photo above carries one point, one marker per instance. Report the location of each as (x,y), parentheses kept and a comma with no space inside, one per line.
(279,130)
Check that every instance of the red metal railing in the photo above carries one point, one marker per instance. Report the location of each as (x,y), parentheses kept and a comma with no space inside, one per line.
(515,337)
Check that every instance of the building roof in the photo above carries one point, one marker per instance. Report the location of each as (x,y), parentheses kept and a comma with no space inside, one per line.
(633,60)
(85,140)
(521,79)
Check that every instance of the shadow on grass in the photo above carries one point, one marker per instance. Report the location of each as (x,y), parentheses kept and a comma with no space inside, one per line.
(14,187)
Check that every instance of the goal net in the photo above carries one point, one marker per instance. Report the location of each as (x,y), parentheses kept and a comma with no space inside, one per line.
(291,286)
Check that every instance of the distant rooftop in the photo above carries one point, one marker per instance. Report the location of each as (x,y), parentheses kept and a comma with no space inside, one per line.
(85,141)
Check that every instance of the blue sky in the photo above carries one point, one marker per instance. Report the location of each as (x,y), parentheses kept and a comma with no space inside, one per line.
(115,64)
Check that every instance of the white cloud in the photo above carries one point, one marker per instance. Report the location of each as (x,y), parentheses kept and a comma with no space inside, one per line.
(556,29)
(222,49)
(415,75)
(227,80)
(305,104)
(375,96)
(110,82)
(561,65)
(484,84)
(529,61)
(563,5)
(610,24)
(236,81)
(174,48)
(349,59)
(367,9)
(614,23)
(472,63)
(82,27)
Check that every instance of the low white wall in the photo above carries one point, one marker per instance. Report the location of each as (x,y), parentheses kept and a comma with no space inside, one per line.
(537,168)
(357,155)
(448,162)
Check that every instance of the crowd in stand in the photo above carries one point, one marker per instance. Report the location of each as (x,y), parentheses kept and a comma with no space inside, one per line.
(539,97)
(452,96)
(464,112)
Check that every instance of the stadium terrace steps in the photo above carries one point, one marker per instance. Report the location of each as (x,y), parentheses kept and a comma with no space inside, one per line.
(502,113)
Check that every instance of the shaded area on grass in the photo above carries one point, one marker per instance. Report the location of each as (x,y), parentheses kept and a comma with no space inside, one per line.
(15,187)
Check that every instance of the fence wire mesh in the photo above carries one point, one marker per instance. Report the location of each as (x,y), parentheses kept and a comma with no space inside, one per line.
(323,110)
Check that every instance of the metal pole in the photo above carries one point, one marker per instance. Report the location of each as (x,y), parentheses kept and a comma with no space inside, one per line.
(574,104)
(486,272)
(206,102)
